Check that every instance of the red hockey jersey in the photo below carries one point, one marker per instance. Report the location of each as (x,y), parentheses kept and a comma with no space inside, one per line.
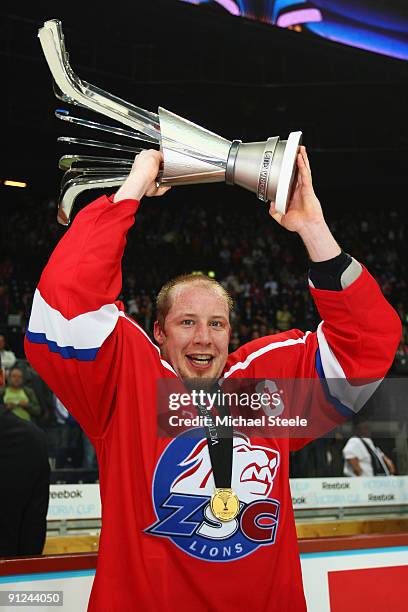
(161,549)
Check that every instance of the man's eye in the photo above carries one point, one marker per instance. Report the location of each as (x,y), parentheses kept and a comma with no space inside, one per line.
(216,323)
(187,322)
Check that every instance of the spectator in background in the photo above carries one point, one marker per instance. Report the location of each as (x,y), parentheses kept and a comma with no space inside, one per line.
(8,358)
(271,287)
(284,318)
(363,458)
(19,399)
(24,484)
(133,307)
(67,447)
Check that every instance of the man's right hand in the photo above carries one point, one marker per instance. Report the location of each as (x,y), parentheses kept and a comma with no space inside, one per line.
(142,177)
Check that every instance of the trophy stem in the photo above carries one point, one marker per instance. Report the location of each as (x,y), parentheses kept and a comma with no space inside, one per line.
(97,143)
(65,116)
(67,162)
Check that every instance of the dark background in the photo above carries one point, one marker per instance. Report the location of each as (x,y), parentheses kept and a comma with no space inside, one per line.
(233,76)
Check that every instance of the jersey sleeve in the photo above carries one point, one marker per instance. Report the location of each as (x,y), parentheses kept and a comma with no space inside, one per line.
(356,341)
(72,339)
(347,356)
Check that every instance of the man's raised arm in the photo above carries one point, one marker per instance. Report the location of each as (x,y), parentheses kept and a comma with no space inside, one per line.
(71,338)
(355,343)
(360,331)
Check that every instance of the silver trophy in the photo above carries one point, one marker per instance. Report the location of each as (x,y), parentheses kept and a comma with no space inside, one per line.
(191,153)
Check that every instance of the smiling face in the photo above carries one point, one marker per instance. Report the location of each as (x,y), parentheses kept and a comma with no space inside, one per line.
(196,331)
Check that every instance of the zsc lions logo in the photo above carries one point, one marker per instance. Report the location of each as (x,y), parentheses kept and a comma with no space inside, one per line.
(182,487)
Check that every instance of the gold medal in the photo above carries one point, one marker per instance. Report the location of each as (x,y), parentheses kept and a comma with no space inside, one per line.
(224,504)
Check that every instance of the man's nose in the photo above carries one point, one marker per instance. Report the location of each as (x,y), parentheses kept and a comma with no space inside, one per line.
(202,334)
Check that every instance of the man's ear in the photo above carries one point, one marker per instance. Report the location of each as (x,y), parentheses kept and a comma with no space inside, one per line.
(2,377)
(158,333)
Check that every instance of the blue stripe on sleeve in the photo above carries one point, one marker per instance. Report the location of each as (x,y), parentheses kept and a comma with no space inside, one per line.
(66,352)
(341,408)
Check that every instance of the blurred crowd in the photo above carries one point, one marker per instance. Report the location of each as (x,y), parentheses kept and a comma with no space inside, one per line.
(263,267)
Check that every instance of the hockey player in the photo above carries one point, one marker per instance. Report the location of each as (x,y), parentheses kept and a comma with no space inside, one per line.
(162,548)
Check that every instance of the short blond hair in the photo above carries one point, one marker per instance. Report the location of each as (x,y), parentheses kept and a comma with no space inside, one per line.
(164,297)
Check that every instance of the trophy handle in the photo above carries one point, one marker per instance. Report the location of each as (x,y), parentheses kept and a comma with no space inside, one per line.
(99,144)
(65,116)
(80,92)
(91,173)
(67,162)
(77,185)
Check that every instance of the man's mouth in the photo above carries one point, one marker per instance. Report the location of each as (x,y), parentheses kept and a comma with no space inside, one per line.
(200,360)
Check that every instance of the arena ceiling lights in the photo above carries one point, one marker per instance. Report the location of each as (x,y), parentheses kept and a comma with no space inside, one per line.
(381,26)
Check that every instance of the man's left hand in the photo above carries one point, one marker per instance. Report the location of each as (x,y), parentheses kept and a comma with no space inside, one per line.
(304,207)
(304,215)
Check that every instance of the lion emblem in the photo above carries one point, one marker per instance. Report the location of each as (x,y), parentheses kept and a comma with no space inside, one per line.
(254,470)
